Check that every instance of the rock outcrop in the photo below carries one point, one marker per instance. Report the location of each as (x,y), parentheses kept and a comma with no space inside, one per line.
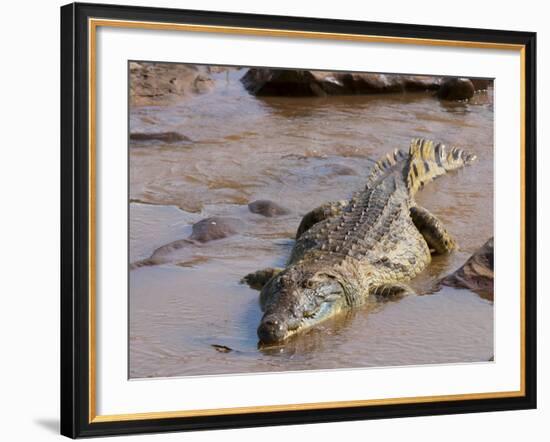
(456,89)
(166,83)
(307,83)
(477,274)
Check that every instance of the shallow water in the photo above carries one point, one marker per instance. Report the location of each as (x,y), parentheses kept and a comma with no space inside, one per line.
(300,153)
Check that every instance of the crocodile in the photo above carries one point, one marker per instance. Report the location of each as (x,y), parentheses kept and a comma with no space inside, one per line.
(368,246)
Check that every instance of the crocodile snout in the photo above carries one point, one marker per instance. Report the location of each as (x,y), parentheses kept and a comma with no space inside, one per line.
(272,330)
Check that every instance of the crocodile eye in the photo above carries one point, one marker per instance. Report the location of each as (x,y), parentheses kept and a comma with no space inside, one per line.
(310,313)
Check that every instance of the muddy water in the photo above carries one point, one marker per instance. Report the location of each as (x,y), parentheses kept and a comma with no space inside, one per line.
(300,153)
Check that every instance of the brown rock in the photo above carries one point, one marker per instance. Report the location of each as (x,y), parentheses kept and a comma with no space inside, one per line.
(308,83)
(165,83)
(420,83)
(267,208)
(281,82)
(166,137)
(477,273)
(357,83)
(213,228)
(304,83)
(456,89)
(205,230)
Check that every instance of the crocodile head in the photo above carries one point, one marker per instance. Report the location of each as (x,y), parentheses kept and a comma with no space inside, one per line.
(294,301)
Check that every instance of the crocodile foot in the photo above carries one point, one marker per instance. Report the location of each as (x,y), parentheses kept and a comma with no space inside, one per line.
(258,279)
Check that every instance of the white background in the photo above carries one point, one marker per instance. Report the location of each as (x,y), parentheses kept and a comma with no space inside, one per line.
(29,75)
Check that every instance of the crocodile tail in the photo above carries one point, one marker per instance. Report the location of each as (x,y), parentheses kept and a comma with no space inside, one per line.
(428,161)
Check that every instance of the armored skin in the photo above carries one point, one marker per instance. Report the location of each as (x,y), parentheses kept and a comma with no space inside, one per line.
(369,245)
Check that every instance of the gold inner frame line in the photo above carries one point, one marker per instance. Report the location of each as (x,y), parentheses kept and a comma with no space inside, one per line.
(93,24)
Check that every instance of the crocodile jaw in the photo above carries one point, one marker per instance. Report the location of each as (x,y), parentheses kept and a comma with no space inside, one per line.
(277,325)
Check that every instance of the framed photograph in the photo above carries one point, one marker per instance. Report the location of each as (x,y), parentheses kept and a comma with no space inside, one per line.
(275,220)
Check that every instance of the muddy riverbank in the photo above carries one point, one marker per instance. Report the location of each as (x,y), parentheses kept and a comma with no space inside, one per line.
(236,148)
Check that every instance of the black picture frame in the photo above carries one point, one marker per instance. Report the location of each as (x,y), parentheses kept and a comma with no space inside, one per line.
(75,219)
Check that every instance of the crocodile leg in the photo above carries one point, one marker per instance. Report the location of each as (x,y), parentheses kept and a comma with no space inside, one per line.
(432,230)
(319,214)
(258,279)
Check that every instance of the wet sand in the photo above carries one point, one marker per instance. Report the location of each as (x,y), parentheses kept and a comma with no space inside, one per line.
(300,153)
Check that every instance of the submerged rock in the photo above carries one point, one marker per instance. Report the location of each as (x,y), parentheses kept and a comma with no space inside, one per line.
(208,229)
(477,273)
(167,137)
(165,83)
(332,170)
(456,89)
(215,227)
(267,208)
(221,348)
